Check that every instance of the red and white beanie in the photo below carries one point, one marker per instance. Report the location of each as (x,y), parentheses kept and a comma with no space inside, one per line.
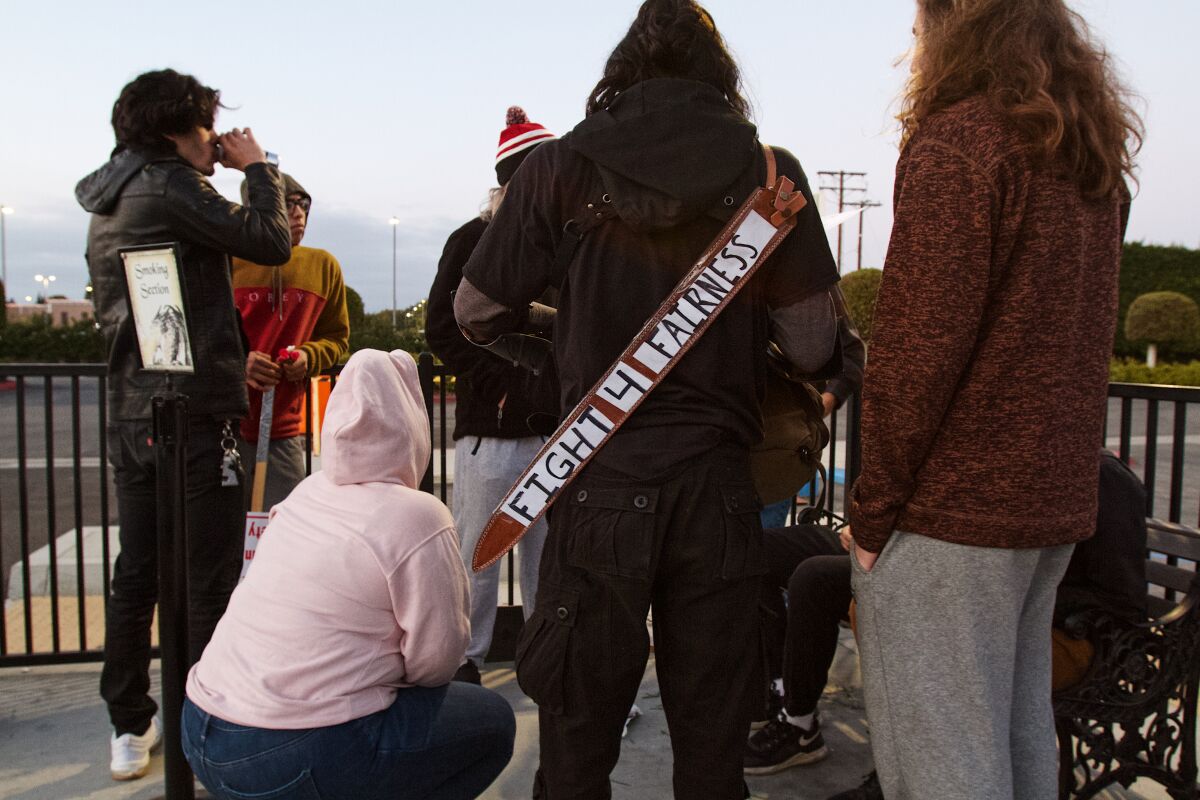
(517,140)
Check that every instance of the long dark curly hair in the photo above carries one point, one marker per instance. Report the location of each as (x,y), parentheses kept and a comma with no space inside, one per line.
(157,104)
(670,39)
(1038,63)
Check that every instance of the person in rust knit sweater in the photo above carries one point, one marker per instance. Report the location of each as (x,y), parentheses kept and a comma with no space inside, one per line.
(985,390)
(302,305)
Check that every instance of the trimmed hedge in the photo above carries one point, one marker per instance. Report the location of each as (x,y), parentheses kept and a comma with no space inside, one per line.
(1153,268)
(1162,318)
(1132,370)
(860,288)
(37,341)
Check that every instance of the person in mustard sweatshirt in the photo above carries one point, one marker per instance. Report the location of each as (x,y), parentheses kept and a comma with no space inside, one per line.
(303,305)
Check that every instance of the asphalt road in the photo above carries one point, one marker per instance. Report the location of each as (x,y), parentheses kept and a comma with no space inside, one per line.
(28,531)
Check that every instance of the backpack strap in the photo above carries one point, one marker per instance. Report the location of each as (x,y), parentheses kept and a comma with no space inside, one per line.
(576,228)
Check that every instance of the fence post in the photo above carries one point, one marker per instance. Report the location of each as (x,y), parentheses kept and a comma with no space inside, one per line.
(170,457)
(425,372)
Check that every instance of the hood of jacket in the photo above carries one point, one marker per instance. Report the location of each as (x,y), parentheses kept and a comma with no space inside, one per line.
(98,192)
(376,429)
(667,150)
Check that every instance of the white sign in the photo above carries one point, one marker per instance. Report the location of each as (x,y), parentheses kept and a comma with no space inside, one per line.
(256,523)
(156,306)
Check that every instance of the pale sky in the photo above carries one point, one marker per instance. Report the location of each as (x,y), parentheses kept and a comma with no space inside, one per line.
(383,108)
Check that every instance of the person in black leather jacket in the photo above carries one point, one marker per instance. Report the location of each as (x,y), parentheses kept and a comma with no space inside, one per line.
(154,190)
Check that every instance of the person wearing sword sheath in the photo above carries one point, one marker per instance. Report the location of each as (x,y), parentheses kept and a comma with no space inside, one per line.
(665,513)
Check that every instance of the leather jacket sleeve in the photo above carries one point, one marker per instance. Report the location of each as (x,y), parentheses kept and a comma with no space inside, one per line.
(257,232)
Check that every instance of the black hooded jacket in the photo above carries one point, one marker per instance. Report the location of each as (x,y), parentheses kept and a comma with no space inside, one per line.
(138,200)
(674,162)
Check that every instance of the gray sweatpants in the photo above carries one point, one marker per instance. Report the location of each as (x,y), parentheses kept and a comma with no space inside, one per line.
(484,470)
(955,649)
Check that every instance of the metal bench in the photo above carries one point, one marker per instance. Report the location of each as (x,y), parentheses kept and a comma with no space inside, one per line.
(1134,713)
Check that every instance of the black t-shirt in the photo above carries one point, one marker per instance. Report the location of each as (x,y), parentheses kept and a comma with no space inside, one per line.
(619,277)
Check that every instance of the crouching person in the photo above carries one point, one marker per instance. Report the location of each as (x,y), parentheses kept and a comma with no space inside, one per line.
(329,674)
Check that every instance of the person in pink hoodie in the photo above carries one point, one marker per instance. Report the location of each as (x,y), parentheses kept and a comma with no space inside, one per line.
(329,675)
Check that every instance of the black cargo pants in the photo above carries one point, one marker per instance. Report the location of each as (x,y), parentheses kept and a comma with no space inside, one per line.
(689,547)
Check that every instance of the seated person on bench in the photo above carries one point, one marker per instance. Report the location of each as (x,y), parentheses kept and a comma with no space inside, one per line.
(800,631)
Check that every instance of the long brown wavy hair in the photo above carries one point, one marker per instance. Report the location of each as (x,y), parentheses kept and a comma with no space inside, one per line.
(670,39)
(1038,63)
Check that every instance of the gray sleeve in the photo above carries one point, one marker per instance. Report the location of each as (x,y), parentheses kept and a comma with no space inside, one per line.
(854,358)
(806,331)
(482,318)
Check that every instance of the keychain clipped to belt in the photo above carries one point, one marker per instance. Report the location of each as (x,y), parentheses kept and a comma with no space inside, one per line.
(231,460)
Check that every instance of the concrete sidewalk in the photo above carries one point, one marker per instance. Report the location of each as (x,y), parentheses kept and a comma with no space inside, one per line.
(54,745)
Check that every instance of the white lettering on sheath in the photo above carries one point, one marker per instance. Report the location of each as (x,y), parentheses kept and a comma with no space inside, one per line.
(624,387)
(552,470)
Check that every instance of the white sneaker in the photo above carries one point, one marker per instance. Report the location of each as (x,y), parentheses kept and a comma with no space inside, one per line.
(131,753)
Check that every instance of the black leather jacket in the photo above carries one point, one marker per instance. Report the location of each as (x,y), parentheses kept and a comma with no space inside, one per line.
(135,199)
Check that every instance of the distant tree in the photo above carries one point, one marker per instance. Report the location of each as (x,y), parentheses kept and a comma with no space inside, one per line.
(354,307)
(1162,318)
(860,288)
(3,304)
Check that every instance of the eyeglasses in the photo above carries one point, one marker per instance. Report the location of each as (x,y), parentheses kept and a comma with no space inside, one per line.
(302,202)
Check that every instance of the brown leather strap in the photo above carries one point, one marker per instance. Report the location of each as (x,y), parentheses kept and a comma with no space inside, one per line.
(722,270)
(772,173)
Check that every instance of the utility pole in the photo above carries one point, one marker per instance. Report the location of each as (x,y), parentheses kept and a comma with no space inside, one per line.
(841,187)
(863,205)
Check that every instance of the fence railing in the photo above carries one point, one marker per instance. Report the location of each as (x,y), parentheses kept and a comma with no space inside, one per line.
(58,511)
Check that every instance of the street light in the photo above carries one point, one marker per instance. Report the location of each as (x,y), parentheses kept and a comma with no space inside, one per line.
(45,281)
(394,221)
(4,212)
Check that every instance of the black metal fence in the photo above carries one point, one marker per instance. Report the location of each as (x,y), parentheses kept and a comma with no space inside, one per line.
(58,511)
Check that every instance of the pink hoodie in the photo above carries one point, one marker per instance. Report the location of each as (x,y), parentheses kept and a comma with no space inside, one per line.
(357,588)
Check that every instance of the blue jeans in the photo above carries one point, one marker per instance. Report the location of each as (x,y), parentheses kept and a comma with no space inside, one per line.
(450,742)
(776,514)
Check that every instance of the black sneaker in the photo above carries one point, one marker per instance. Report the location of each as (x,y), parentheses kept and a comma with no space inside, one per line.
(468,673)
(869,790)
(771,709)
(780,745)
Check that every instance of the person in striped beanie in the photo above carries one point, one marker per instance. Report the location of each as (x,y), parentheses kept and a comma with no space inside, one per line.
(501,413)
(517,140)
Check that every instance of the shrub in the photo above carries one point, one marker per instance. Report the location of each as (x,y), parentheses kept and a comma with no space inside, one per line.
(376,332)
(37,341)
(1162,318)
(860,289)
(1152,268)
(1130,370)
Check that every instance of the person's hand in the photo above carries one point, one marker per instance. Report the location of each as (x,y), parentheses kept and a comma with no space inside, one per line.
(295,368)
(239,149)
(846,538)
(829,402)
(261,371)
(865,560)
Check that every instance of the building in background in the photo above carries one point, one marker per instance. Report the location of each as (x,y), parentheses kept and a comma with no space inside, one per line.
(60,310)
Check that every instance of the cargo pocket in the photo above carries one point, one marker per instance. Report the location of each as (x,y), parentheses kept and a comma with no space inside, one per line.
(544,645)
(743,557)
(611,531)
